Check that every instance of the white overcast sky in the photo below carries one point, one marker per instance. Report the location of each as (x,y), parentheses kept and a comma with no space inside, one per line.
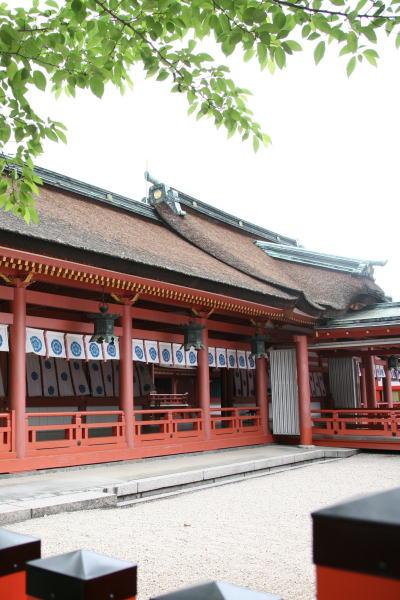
(330,178)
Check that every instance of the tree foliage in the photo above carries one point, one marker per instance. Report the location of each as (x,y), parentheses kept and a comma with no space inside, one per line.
(65,45)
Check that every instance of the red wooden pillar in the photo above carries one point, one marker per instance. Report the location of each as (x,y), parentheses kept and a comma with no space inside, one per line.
(18,368)
(262,393)
(203,383)
(303,384)
(370,381)
(363,387)
(126,373)
(387,387)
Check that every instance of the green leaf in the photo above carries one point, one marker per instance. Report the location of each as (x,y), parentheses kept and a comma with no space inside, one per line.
(352,42)
(370,34)
(319,52)
(351,65)
(398,41)
(279,20)
(5,132)
(371,56)
(77,6)
(97,86)
(280,57)
(248,55)
(5,37)
(360,5)
(163,74)
(295,46)
(39,80)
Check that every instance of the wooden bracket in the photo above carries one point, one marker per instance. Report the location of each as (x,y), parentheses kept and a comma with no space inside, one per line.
(202,314)
(124,299)
(16,281)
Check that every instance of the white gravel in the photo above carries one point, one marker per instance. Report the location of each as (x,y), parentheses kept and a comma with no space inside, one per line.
(255,533)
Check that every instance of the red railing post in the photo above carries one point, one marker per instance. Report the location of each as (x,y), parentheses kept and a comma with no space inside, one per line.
(78,434)
(15,550)
(171,424)
(12,425)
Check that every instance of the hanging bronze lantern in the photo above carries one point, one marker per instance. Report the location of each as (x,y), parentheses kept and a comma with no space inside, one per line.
(103,325)
(258,347)
(393,362)
(193,336)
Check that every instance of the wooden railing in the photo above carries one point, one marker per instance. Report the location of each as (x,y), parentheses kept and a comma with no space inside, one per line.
(6,433)
(165,425)
(356,422)
(76,430)
(226,421)
(154,400)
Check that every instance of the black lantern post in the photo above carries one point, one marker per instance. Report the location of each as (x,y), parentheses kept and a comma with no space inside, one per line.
(103,325)
(258,345)
(193,336)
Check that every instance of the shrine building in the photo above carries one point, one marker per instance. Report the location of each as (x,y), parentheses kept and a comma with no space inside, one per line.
(134,329)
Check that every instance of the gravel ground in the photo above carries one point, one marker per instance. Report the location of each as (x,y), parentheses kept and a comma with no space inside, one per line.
(255,533)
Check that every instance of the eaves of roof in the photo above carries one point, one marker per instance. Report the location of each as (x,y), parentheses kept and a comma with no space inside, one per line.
(318,259)
(383,313)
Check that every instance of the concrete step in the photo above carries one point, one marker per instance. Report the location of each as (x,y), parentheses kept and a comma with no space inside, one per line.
(23,510)
(38,497)
(152,488)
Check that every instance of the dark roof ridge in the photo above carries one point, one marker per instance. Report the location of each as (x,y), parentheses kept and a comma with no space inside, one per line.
(232,220)
(87,190)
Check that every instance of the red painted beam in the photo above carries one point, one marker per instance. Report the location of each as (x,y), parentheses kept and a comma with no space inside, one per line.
(87,328)
(356,333)
(21,257)
(143,314)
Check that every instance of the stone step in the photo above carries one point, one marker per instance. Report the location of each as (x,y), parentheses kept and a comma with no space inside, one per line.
(151,488)
(143,489)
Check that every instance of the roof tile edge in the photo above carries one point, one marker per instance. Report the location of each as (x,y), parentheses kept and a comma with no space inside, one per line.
(319,259)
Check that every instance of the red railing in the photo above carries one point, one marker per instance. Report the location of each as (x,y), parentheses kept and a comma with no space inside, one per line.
(74,430)
(228,421)
(356,422)
(165,425)
(154,400)
(6,433)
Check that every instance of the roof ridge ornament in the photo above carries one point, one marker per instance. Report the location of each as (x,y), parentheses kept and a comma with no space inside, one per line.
(160,192)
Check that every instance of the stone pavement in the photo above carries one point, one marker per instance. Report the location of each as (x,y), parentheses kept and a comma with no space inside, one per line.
(40,493)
